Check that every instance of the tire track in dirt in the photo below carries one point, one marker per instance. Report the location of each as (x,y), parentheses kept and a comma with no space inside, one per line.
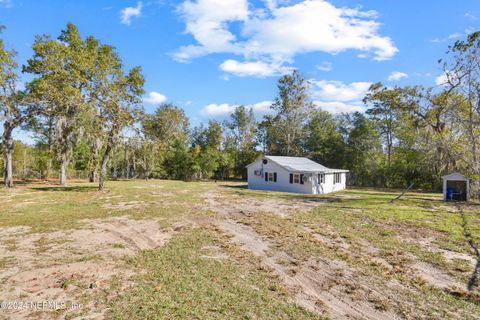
(366,251)
(320,286)
(316,286)
(326,285)
(317,290)
(137,239)
(371,291)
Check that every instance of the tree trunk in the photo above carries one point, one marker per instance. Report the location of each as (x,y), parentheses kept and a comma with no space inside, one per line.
(127,170)
(147,173)
(24,175)
(125,161)
(63,167)
(48,172)
(134,168)
(50,148)
(92,176)
(475,166)
(103,167)
(7,156)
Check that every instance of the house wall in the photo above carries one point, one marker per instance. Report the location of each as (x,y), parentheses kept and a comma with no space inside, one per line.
(328,186)
(283,180)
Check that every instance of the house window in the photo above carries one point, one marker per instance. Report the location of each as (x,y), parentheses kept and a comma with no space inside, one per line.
(321,178)
(296,178)
(270,176)
(337,178)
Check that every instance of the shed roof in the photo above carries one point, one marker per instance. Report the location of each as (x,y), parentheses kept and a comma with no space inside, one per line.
(455,176)
(300,164)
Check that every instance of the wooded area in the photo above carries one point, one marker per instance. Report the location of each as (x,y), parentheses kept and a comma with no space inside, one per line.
(84,111)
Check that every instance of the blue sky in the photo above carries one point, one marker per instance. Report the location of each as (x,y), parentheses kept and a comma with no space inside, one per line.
(209,55)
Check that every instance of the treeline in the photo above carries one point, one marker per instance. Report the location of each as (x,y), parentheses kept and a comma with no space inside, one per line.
(85,114)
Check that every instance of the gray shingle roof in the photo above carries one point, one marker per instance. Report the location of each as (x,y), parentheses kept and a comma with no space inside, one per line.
(300,164)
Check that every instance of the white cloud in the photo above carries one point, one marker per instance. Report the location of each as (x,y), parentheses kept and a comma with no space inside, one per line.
(338,91)
(275,34)
(338,97)
(224,109)
(214,109)
(447,78)
(470,15)
(261,107)
(207,21)
(316,25)
(155,98)
(470,30)
(441,80)
(325,66)
(397,75)
(340,107)
(331,96)
(131,12)
(257,69)
(6,3)
(455,35)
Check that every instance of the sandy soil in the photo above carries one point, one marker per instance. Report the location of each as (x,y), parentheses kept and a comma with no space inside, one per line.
(237,205)
(79,265)
(326,286)
(67,265)
(320,285)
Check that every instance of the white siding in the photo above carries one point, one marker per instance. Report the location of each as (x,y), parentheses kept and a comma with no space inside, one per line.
(328,186)
(283,179)
(310,186)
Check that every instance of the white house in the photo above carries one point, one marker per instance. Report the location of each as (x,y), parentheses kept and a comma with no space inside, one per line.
(294,174)
(456,187)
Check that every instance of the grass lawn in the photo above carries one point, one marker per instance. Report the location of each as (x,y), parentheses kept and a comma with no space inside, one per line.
(203,250)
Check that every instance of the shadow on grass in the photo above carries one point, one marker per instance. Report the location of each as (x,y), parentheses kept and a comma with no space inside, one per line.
(22,182)
(66,189)
(472,282)
(370,196)
(385,195)
(311,198)
(319,199)
(237,186)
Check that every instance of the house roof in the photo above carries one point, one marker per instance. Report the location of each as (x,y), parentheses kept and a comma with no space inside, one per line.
(300,164)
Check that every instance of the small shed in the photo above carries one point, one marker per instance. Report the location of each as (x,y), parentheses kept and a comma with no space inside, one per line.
(456,187)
